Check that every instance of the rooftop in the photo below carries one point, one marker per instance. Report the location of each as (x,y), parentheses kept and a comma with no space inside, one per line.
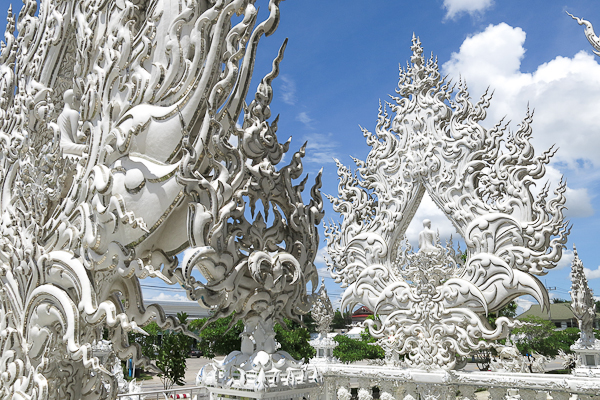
(558,312)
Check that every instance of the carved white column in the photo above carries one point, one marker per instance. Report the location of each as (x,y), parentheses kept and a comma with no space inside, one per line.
(433,391)
(408,391)
(527,394)
(587,347)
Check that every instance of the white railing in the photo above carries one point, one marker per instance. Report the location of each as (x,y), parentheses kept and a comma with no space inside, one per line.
(194,393)
(373,382)
(361,382)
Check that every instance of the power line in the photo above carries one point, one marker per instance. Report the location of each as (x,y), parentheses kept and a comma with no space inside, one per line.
(172,289)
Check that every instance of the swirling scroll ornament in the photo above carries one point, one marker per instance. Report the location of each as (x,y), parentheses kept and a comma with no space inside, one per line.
(120,147)
(583,305)
(432,305)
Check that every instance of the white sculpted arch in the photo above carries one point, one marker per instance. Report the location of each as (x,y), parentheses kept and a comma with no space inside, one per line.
(432,303)
(116,120)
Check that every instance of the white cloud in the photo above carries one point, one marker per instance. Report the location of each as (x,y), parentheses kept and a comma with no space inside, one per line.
(456,7)
(439,222)
(304,118)
(579,202)
(288,90)
(320,263)
(167,297)
(565,92)
(591,273)
(523,304)
(566,259)
(321,148)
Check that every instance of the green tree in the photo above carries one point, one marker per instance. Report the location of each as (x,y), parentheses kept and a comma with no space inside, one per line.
(509,310)
(171,355)
(541,337)
(182,317)
(294,340)
(341,320)
(309,322)
(171,359)
(350,350)
(218,337)
(557,300)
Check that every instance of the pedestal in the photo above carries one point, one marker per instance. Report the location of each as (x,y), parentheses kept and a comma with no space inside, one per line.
(588,358)
(324,346)
(301,392)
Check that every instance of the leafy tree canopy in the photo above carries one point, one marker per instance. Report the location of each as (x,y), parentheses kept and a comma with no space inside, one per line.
(218,337)
(168,350)
(509,310)
(341,320)
(294,340)
(350,350)
(541,337)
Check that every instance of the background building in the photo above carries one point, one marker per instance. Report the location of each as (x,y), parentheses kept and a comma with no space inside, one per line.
(560,314)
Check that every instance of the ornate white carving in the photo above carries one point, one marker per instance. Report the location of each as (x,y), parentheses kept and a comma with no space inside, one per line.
(409,382)
(119,148)
(587,347)
(343,393)
(432,305)
(322,313)
(322,310)
(582,305)
(589,33)
(364,394)
(510,359)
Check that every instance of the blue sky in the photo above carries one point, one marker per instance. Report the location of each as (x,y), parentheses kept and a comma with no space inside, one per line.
(343,56)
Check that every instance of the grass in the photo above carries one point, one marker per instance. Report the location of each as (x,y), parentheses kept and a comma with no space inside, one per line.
(559,371)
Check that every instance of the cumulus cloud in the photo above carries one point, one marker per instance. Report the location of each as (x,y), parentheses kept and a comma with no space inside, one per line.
(321,148)
(591,273)
(564,92)
(167,297)
(320,263)
(566,259)
(288,90)
(579,201)
(455,8)
(439,222)
(523,304)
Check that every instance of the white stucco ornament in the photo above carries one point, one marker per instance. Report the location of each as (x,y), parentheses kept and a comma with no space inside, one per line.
(125,139)
(583,305)
(322,310)
(432,303)
(322,313)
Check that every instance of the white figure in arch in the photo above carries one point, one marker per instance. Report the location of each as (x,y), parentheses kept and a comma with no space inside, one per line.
(427,238)
(67,123)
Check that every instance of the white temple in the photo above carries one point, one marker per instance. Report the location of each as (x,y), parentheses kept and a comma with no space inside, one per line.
(126,138)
